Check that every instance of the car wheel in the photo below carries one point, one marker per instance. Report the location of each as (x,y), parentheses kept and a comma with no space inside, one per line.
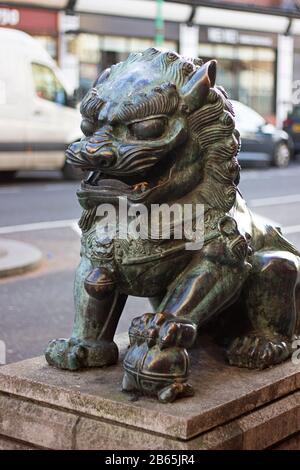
(71,173)
(7,175)
(282,155)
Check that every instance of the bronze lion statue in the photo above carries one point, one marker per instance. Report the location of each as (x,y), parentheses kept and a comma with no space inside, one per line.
(158,130)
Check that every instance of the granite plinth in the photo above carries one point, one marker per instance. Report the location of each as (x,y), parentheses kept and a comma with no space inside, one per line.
(232,408)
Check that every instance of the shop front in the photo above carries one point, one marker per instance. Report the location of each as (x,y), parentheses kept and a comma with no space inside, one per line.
(247,59)
(39,23)
(254,65)
(246,65)
(102,41)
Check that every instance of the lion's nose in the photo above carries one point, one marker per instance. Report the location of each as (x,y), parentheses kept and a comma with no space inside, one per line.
(107,158)
(103,157)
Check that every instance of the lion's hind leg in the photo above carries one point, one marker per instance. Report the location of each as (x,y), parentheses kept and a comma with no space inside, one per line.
(272,297)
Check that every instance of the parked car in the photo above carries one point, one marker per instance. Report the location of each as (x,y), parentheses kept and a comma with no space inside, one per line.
(38,117)
(292,126)
(262,143)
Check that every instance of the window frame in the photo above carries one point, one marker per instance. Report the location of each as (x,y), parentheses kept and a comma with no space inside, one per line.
(56,81)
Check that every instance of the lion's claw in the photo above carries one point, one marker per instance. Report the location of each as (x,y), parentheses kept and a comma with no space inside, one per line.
(73,354)
(258,352)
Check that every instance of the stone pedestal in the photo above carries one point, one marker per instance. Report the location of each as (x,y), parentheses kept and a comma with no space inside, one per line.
(41,407)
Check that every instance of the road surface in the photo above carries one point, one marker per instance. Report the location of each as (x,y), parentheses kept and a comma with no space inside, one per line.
(41,208)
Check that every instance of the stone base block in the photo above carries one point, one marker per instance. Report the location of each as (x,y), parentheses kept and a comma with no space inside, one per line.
(42,407)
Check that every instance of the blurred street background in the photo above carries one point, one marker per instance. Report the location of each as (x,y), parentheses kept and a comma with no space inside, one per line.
(257,46)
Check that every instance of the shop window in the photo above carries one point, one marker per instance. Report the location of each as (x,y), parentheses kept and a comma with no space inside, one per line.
(87,48)
(96,53)
(297,65)
(88,73)
(47,86)
(246,72)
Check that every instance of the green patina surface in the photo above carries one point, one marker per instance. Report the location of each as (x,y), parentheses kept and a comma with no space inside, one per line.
(158,130)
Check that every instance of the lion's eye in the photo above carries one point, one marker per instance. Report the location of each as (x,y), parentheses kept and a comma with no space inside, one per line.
(88,127)
(149,129)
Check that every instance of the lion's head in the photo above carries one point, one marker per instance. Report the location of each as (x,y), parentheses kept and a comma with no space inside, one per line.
(157,128)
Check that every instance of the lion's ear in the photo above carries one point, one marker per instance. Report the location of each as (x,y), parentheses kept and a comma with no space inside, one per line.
(195,91)
(102,77)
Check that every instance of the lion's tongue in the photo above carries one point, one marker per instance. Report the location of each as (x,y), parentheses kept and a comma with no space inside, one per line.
(112,183)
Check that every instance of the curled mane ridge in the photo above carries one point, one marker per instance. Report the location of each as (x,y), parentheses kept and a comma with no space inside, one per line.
(213,127)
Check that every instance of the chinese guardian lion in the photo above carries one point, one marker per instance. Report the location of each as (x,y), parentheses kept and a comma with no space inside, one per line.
(158,130)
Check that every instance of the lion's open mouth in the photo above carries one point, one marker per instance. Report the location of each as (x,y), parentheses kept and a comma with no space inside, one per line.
(98,182)
(135,186)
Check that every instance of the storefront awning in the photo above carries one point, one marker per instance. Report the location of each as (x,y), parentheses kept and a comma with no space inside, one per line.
(289,8)
(257,16)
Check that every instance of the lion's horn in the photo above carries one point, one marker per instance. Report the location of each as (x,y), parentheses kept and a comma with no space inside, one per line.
(196,89)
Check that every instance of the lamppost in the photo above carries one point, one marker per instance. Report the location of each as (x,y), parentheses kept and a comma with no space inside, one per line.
(159,24)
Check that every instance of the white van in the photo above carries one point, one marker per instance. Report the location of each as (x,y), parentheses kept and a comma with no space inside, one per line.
(38,118)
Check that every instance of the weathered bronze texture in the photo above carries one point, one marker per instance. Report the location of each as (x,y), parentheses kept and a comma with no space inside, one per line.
(158,130)
(157,362)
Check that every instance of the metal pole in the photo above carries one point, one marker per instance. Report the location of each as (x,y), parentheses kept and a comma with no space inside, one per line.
(159,24)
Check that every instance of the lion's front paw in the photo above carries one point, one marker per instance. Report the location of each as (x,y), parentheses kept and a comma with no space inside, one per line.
(73,354)
(258,352)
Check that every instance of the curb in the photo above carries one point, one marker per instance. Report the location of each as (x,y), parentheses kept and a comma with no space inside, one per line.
(17,257)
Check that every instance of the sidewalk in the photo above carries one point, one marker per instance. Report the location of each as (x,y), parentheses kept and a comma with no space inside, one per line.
(17,257)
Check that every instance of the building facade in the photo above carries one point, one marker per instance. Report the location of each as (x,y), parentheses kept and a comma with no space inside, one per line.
(247,59)
(256,65)
(39,23)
